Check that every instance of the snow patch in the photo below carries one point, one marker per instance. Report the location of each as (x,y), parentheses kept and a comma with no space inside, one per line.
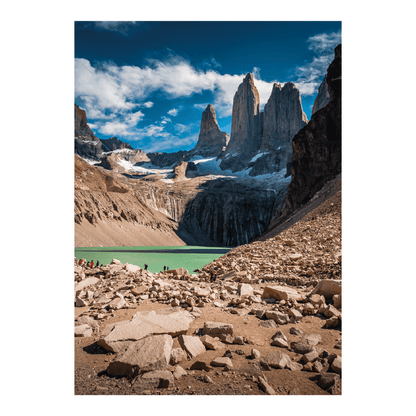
(258,156)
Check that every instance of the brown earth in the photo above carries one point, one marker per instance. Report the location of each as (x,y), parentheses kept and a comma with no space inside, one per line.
(317,237)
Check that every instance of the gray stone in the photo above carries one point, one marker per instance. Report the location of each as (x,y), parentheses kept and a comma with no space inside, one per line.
(277,359)
(148,354)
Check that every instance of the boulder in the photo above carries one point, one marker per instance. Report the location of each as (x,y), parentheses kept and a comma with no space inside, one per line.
(212,343)
(158,378)
(245,289)
(89,281)
(132,268)
(277,359)
(280,293)
(172,321)
(176,356)
(178,372)
(328,288)
(337,364)
(83,330)
(278,317)
(217,328)
(221,362)
(192,345)
(148,354)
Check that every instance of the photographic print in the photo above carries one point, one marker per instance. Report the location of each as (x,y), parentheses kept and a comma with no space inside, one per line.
(207,208)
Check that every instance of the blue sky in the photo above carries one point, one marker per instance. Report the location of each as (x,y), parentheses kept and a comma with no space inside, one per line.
(148,82)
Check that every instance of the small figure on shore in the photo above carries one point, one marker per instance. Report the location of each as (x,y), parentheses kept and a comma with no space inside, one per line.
(146,266)
(164,268)
(80,261)
(167,268)
(211,275)
(98,264)
(92,264)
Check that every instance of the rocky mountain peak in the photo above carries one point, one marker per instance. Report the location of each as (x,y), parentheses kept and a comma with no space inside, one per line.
(115,144)
(81,127)
(246,125)
(211,141)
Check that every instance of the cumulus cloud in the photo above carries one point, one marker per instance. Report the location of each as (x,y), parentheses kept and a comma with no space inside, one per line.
(109,86)
(311,74)
(165,120)
(122,27)
(148,104)
(174,112)
(324,42)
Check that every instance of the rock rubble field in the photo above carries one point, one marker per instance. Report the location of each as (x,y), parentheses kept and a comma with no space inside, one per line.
(268,323)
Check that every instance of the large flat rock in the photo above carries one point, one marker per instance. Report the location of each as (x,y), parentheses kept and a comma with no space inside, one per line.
(328,288)
(171,321)
(280,293)
(89,281)
(148,354)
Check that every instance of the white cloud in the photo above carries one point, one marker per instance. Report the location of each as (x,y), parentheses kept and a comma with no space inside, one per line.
(122,27)
(123,88)
(169,142)
(165,120)
(324,42)
(173,112)
(148,104)
(311,74)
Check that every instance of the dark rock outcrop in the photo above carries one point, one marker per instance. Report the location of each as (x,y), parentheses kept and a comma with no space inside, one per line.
(246,127)
(323,97)
(212,141)
(115,144)
(230,215)
(168,159)
(316,148)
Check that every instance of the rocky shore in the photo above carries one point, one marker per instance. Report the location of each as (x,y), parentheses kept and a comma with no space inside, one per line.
(270,322)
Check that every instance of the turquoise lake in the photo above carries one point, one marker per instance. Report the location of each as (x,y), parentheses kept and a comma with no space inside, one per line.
(189,257)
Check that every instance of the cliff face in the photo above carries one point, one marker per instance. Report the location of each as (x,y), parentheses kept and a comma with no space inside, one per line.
(81,127)
(246,126)
(211,141)
(323,97)
(317,147)
(230,215)
(283,118)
